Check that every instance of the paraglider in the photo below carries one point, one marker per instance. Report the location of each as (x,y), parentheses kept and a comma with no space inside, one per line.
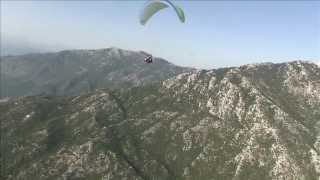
(151,8)
(149,58)
(154,6)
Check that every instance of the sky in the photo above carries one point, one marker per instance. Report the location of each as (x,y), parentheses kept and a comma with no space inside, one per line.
(215,34)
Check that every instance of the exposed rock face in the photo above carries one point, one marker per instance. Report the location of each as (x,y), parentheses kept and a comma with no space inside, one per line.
(77,71)
(251,122)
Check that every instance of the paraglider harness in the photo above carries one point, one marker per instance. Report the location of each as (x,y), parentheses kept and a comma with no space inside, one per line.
(148,59)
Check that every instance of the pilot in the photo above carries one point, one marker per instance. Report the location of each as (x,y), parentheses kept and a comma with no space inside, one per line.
(148,59)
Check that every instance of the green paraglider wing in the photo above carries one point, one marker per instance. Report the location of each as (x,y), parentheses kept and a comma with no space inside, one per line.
(150,10)
(155,6)
(180,14)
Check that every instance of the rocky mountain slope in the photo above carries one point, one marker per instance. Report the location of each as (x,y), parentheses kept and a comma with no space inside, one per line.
(76,71)
(245,123)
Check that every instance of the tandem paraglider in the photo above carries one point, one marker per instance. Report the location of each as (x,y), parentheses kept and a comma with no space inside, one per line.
(154,6)
(148,57)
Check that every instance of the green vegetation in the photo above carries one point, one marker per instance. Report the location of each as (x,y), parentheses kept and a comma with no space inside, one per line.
(57,133)
(246,131)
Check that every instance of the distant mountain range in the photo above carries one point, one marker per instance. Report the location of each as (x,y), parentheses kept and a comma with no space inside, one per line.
(259,121)
(11,45)
(72,72)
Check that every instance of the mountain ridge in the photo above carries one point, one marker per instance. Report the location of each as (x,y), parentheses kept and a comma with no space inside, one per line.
(247,122)
(71,72)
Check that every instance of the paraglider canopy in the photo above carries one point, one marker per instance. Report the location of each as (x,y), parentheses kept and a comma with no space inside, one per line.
(154,6)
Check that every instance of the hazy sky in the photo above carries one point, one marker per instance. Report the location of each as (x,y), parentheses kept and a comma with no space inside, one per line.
(216,33)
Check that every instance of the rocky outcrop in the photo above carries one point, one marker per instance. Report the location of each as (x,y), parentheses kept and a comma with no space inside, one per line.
(257,121)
